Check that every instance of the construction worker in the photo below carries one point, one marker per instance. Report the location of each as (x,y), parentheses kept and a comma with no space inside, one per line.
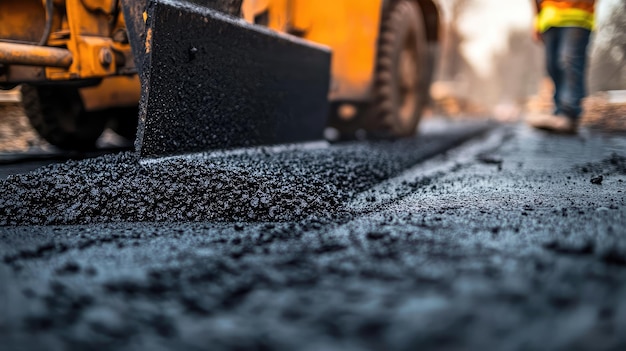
(564,27)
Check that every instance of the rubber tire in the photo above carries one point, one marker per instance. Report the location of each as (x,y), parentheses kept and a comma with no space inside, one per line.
(58,115)
(397,111)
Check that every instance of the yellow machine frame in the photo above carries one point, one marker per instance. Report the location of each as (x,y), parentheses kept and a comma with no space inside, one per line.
(86,45)
(88,42)
(349,27)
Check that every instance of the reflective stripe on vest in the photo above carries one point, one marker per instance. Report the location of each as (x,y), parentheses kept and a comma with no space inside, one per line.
(587,5)
(565,13)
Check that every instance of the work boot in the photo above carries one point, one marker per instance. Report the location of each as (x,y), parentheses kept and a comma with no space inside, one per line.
(553,123)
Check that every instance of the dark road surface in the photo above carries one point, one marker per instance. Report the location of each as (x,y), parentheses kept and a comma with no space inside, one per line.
(515,240)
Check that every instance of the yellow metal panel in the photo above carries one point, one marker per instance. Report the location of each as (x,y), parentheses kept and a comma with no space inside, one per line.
(89,41)
(251,8)
(350,28)
(90,56)
(279,14)
(22,20)
(84,21)
(113,91)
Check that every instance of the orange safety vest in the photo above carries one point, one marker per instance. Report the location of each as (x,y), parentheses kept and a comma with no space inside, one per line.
(565,13)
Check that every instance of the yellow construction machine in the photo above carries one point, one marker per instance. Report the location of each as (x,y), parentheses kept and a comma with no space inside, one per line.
(79,66)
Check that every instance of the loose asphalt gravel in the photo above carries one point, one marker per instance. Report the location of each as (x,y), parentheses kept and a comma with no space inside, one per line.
(513,241)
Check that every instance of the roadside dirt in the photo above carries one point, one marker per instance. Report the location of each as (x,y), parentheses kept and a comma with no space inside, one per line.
(603,115)
(16,134)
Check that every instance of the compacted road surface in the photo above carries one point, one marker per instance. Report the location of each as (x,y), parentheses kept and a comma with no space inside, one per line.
(476,238)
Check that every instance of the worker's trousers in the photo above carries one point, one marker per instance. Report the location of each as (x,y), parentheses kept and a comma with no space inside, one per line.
(566,55)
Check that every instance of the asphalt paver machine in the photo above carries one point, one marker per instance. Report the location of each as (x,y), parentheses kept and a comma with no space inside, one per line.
(214,74)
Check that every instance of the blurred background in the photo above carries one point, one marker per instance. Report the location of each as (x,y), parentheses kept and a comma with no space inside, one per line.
(489,67)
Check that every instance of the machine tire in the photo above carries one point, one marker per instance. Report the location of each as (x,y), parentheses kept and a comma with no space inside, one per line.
(401,77)
(58,115)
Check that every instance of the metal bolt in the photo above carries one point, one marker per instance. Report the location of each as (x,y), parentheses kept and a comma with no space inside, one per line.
(106,57)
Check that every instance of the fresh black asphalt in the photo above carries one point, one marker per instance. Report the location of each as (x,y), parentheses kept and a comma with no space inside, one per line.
(514,240)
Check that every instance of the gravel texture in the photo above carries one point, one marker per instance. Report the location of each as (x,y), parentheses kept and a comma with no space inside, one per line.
(257,185)
(502,244)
